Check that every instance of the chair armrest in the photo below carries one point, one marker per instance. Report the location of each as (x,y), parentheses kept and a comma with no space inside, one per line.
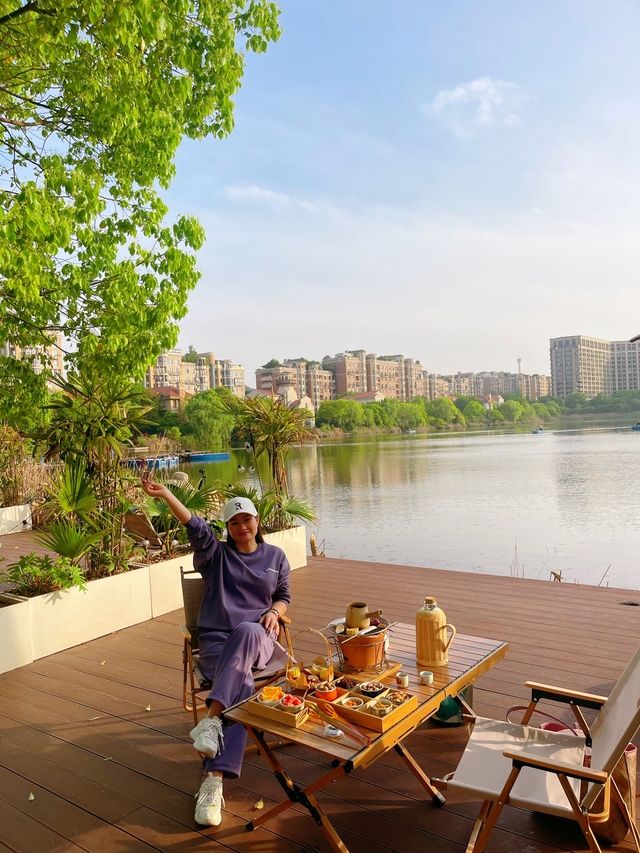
(283,619)
(572,770)
(186,633)
(564,694)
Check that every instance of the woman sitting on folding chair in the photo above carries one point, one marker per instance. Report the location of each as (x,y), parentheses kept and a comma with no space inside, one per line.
(247,591)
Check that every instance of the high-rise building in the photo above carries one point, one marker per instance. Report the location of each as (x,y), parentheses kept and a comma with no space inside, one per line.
(580,363)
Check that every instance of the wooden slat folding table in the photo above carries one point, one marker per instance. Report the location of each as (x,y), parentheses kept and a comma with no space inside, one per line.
(469,657)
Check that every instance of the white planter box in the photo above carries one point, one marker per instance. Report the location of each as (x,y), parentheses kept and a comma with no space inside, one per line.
(15,635)
(164,584)
(60,620)
(36,627)
(294,544)
(13,519)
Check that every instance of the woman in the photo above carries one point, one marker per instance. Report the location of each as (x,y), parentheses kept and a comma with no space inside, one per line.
(247,591)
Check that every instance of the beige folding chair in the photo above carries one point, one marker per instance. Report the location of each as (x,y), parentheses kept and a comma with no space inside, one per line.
(138,526)
(543,771)
(194,681)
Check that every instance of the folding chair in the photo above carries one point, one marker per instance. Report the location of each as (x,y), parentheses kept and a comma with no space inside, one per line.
(543,771)
(194,681)
(138,526)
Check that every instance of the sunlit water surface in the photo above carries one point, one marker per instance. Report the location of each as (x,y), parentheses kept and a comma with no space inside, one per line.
(564,501)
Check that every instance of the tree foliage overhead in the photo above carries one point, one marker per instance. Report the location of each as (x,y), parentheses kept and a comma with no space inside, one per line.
(95,97)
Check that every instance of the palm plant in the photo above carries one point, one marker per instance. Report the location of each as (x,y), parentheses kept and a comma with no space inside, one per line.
(92,420)
(271,428)
(275,512)
(199,501)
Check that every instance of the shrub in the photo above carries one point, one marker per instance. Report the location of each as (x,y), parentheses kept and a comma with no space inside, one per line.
(34,574)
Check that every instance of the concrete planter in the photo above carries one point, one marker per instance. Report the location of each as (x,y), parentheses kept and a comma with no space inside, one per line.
(32,628)
(164,584)
(63,619)
(13,519)
(15,630)
(293,542)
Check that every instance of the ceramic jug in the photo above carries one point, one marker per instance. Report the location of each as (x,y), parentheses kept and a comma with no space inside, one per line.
(433,634)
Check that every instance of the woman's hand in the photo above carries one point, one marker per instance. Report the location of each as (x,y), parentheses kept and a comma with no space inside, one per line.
(270,622)
(154,490)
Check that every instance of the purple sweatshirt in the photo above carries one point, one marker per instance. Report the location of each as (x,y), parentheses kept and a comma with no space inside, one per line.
(239,587)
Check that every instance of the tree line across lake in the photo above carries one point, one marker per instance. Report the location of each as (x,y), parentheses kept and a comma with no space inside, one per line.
(205,420)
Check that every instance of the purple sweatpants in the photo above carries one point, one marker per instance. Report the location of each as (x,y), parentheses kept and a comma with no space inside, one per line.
(229,665)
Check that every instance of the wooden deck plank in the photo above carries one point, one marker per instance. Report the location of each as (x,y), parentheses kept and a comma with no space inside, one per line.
(74,726)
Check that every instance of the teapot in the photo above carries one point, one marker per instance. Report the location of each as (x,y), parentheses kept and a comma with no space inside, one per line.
(358,616)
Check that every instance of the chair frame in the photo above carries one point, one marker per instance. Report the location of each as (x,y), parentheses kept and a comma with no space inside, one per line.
(491,809)
(191,700)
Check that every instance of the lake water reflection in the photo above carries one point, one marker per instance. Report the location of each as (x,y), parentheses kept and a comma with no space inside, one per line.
(569,499)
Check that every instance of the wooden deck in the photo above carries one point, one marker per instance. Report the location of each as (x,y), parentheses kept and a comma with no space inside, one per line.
(95,754)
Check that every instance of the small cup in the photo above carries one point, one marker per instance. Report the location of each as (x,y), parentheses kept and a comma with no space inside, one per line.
(402,679)
(426,677)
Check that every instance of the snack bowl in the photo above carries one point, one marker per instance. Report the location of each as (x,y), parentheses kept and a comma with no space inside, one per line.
(291,703)
(326,690)
(354,703)
(381,707)
(270,696)
(371,688)
(397,697)
(346,683)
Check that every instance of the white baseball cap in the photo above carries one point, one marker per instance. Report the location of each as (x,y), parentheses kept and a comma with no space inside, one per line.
(236,506)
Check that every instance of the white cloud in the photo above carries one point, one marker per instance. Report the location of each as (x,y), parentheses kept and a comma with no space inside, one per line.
(480,105)
(253,194)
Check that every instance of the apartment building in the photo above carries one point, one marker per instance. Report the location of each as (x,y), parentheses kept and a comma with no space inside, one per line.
(305,378)
(359,372)
(593,366)
(189,377)
(321,385)
(580,363)
(42,358)
(223,373)
(349,371)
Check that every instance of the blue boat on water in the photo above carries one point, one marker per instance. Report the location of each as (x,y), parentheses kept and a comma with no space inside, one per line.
(538,431)
(157,463)
(205,456)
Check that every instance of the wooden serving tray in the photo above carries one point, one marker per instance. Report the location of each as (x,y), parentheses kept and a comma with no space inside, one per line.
(272,712)
(372,721)
(392,666)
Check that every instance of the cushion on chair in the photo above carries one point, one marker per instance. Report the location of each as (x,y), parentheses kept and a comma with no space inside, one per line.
(276,664)
(483,769)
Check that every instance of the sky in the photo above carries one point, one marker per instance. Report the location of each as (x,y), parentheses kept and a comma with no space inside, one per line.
(456,182)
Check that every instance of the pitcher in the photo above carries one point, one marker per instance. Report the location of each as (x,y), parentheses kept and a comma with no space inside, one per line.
(432,642)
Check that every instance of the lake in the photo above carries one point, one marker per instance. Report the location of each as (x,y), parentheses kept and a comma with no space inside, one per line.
(502,503)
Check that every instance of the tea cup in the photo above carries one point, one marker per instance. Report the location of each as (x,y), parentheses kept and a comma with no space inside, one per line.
(402,679)
(426,677)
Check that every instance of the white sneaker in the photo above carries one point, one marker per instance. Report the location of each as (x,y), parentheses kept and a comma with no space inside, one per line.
(209,801)
(207,736)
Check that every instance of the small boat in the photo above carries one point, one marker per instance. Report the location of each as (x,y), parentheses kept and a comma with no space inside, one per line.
(206,456)
(149,463)
(538,431)
(636,427)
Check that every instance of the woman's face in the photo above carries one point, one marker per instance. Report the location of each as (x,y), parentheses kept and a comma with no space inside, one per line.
(243,528)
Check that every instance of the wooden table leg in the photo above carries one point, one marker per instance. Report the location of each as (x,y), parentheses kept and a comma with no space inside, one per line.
(296,794)
(436,796)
